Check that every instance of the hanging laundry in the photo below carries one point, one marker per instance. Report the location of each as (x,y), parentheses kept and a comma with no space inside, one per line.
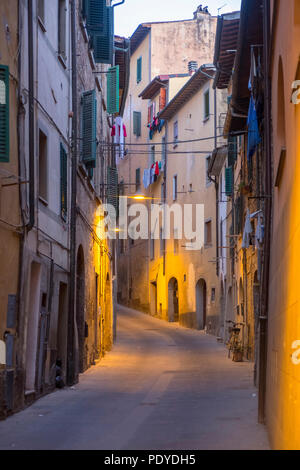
(156,169)
(260,231)
(253,131)
(119,133)
(247,231)
(147,178)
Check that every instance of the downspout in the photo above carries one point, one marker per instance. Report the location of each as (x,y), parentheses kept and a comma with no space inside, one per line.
(30,224)
(71,374)
(217,187)
(263,319)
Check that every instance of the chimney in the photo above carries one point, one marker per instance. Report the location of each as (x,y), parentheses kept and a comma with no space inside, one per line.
(200,11)
(193,66)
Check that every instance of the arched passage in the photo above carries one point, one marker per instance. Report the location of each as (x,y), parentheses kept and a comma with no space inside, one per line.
(201,304)
(80,303)
(173,301)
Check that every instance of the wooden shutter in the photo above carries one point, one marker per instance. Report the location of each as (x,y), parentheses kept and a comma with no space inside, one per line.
(63,182)
(232,150)
(112,188)
(137,118)
(101,40)
(113,90)
(4,113)
(89,126)
(228,181)
(162,99)
(95,14)
(139,70)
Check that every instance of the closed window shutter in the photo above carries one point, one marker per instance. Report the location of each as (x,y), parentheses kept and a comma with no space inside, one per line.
(63,182)
(113,90)
(228,181)
(139,70)
(94,12)
(112,188)
(162,99)
(150,114)
(232,150)
(89,126)
(137,118)
(101,40)
(4,113)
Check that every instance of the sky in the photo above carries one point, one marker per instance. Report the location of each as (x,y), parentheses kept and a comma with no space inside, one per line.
(133,12)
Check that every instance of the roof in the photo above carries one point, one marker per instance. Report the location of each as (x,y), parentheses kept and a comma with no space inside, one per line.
(157,83)
(196,81)
(138,36)
(225,47)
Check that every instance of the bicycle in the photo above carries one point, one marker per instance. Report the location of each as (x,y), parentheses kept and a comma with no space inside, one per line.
(234,343)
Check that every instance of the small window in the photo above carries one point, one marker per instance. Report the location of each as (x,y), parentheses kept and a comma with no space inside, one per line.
(152,248)
(152,155)
(213,294)
(175,188)
(62,20)
(43,170)
(137,179)
(206,105)
(139,70)
(208,181)
(137,123)
(161,242)
(208,232)
(175,131)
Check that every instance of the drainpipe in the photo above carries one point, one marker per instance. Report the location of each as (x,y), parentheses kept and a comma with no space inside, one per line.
(30,225)
(263,319)
(71,375)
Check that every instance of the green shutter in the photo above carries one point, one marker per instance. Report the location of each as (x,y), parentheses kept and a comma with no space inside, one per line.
(94,12)
(228,181)
(112,187)
(4,113)
(137,118)
(232,150)
(113,90)
(63,182)
(102,41)
(139,70)
(89,128)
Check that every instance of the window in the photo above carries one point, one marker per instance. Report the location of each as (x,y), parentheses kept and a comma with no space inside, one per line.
(62,20)
(206,105)
(63,182)
(175,133)
(162,99)
(137,118)
(162,242)
(174,188)
(207,162)
(152,155)
(164,149)
(139,70)
(151,113)
(152,248)
(208,232)
(43,170)
(99,23)
(41,10)
(4,113)
(137,179)
(213,294)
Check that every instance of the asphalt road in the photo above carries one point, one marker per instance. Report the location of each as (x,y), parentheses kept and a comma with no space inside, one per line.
(162,387)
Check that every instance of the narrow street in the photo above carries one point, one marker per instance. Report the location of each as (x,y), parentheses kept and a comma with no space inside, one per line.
(161,387)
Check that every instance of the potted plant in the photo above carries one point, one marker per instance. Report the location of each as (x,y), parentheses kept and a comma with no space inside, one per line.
(238,353)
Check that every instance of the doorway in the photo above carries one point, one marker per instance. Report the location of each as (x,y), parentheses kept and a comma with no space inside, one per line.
(173,300)
(201,304)
(80,307)
(32,325)
(153,298)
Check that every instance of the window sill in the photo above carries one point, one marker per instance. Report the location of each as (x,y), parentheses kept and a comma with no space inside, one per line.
(92,60)
(62,60)
(42,25)
(84,31)
(206,119)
